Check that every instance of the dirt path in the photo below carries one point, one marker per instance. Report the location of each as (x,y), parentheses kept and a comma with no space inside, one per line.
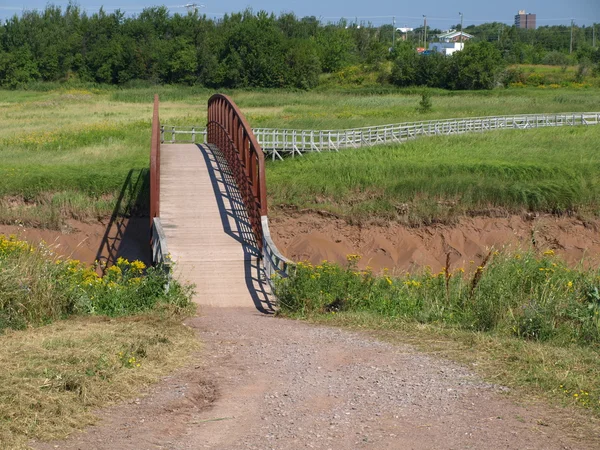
(267,383)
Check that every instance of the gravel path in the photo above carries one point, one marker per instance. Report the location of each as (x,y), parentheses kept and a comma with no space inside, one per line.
(267,383)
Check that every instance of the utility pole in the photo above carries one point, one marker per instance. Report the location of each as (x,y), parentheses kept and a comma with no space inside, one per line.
(571,45)
(425,31)
(394,31)
(461,27)
(594,35)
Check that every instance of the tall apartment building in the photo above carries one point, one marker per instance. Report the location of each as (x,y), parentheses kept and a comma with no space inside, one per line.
(524,20)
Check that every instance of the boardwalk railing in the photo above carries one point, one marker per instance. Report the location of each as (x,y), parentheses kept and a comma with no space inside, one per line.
(228,129)
(279,142)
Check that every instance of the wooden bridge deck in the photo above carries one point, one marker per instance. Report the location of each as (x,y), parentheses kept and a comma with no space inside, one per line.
(207,230)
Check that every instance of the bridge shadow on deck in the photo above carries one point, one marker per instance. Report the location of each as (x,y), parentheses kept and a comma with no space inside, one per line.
(236,224)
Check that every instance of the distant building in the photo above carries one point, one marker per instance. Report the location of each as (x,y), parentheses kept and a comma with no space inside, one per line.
(404,31)
(446,48)
(454,36)
(524,20)
(449,42)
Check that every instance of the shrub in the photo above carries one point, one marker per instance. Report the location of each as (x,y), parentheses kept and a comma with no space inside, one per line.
(535,79)
(478,66)
(425,105)
(556,58)
(513,75)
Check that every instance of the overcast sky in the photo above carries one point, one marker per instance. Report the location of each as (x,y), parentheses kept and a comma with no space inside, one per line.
(440,13)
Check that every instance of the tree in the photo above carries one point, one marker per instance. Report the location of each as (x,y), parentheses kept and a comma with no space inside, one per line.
(478,66)
(17,68)
(406,66)
(303,65)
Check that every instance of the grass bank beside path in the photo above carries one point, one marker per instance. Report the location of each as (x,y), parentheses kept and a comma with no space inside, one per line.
(67,149)
(438,179)
(71,340)
(521,319)
(54,376)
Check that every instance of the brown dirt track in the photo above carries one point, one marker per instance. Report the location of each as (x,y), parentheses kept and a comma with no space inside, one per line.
(266,383)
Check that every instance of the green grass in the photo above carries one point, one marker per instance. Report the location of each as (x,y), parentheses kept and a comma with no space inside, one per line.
(72,341)
(54,377)
(36,287)
(522,306)
(62,142)
(442,178)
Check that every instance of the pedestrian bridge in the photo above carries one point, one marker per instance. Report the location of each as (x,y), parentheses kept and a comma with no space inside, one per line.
(208,210)
(208,202)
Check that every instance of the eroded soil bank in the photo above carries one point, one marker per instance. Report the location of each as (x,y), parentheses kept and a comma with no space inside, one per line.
(87,242)
(313,237)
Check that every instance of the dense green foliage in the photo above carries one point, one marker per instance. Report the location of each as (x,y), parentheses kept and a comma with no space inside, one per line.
(37,287)
(478,66)
(442,178)
(246,49)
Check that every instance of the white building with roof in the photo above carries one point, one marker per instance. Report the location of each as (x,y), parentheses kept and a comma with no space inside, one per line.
(450,42)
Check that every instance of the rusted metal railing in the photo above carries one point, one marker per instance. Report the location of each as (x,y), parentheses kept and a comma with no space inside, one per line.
(228,129)
(155,165)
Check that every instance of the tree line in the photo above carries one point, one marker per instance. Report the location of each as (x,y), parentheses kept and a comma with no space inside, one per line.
(250,49)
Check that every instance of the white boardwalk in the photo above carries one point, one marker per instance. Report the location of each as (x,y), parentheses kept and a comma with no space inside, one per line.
(207,230)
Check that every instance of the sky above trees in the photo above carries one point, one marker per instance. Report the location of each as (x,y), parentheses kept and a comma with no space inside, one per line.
(440,13)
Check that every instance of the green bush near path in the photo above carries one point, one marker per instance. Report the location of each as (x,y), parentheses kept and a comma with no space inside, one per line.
(520,294)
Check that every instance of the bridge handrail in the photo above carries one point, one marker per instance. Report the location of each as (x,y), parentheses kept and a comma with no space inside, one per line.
(228,129)
(160,253)
(155,164)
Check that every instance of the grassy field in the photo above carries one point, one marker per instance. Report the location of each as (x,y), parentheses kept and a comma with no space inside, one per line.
(442,178)
(66,152)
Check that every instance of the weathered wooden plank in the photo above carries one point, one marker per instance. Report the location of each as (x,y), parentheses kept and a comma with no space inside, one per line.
(206,229)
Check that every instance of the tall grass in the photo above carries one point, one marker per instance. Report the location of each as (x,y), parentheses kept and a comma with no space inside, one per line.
(440,178)
(520,294)
(67,138)
(36,287)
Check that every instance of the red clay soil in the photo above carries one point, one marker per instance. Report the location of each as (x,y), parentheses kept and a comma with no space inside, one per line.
(88,241)
(313,237)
